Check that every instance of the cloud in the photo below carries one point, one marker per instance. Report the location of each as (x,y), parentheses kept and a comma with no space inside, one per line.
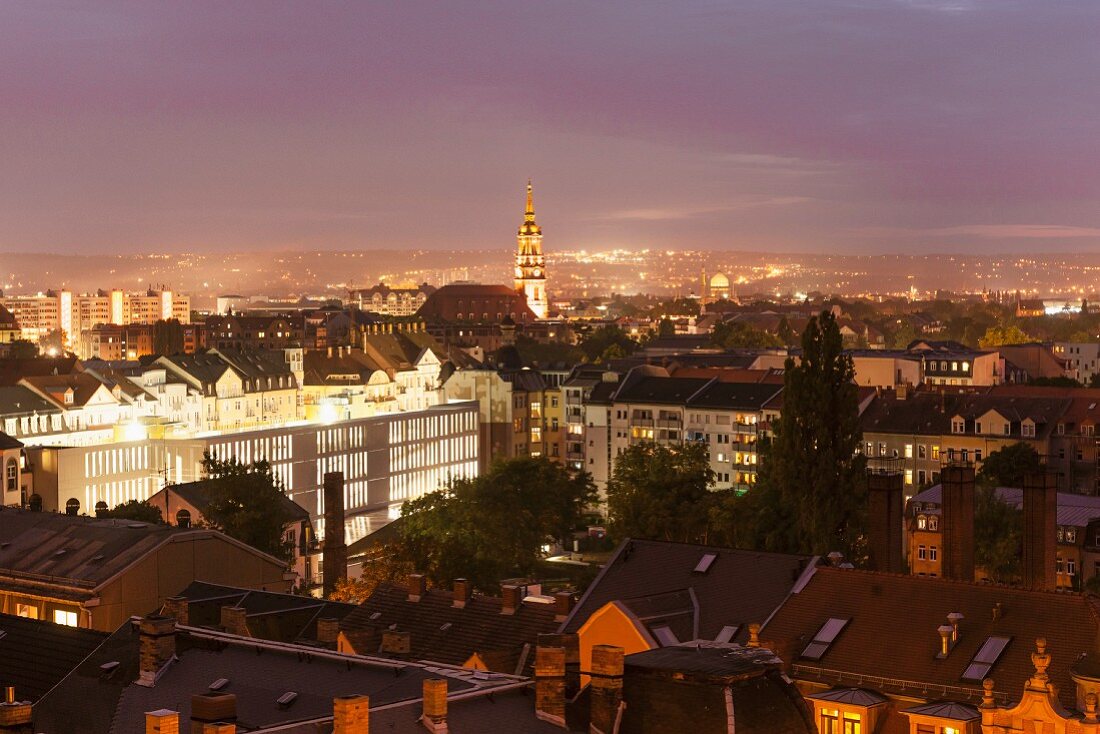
(993,231)
(674,213)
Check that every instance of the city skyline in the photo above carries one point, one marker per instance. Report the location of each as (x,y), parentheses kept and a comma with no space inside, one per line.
(844,126)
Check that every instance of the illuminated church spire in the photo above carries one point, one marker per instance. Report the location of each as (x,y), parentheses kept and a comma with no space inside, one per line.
(530,276)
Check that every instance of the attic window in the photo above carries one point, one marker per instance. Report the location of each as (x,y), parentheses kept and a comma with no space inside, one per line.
(665,636)
(287,699)
(219,684)
(444,627)
(705,562)
(824,638)
(375,615)
(727,633)
(985,658)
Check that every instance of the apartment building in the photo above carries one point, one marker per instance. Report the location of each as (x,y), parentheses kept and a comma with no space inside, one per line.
(1081,360)
(391,301)
(70,313)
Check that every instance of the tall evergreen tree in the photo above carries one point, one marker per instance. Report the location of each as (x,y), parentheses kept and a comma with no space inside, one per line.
(811,492)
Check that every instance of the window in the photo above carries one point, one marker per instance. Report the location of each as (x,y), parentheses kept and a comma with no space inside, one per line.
(985,658)
(933,522)
(830,721)
(958,426)
(824,638)
(908,476)
(1071,567)
(727,633)
(922,451)
(11,471)
(933,553)
(30,611)
(60,616)
(936,452)
(665,636)
(978,427)
(705,562)
(922,553)
(852,724)
(922,522)
(909,451)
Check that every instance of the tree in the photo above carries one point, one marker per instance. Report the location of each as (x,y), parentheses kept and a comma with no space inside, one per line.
(997,336)
(167,337)
(598,344)
(998,534)
(1060,381)
(136,510)
(247,502)
(737,334)
(1007,467)
(495,525)
(388,566)
(904,336)
(811,491)
(662,492)
(785,332)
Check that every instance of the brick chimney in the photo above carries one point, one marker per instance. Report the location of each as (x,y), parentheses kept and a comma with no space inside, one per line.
(1040,527)
(15,716)
(462,592)
(550,684)
(563,605)
(511,597)
(885,521)
(162,721)
(235,620)
(219,727)
(213,707)
(328,631)
(607,687)
(957,522)
(176,607)
(351,715)
(418,586)
(396,643)
(334,560)
(435,705)
(156,647)
(571,643)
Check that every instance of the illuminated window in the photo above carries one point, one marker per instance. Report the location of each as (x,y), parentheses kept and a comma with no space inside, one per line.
(852,724)
(830,721)
(909,451)
(30,611)
(908,476)
(922,522)
(60,616)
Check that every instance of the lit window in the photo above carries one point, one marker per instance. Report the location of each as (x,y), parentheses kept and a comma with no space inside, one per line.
(908,451)
(922,522)
(60,616)
(908,476)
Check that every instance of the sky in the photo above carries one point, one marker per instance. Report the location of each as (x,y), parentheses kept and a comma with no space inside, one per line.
(816,126)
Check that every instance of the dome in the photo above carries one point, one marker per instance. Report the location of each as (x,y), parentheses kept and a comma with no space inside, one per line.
(720,280)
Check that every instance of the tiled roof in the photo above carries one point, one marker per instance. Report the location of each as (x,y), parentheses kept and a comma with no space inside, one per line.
(84,385)
(738,588)
(36,654)
(479,627)
(892,640)
(12,370)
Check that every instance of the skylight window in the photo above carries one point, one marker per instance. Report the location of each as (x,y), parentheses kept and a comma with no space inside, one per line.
(824,638)
(705,562)
(665,636)
(985,658)
(727,633)
(287,698)
(219,684)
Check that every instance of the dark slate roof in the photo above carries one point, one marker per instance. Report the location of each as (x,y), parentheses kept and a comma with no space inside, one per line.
(734,395)
(851,696)
(8,442)
(668,390)
(12,370)
(739,588)
(197,495)
(946,710)
(270,615)
(479,627)
(20,400)
(90,701)
(892,632)
(36,654)
(45,547)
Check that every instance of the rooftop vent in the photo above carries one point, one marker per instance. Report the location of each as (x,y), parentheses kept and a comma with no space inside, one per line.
(705,562)
(219,684)
(109,667)
(375,615)
(286,699)
(445,626)
(59,553)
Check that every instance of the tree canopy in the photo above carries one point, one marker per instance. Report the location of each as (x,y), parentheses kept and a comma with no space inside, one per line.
(811,489)
(136,510)
(606,343)
(998,336)
(494,526)
(246,502)
(1007,467)
(662,492)
(734,334)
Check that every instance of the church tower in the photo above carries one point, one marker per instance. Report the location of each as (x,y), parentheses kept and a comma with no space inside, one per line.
(530,264)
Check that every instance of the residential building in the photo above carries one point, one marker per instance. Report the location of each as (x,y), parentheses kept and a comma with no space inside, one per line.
(1081,360)
(247,332)
(455,626)
(88,572)
(390,300)
(576,392)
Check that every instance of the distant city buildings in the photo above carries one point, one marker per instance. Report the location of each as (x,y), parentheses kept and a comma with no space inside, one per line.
(70,314)
(390,301)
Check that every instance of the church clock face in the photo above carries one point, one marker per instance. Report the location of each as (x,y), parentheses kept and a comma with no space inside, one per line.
(519,272)
(537,273)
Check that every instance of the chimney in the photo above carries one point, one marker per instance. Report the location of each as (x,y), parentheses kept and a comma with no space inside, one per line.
(998,611)
(550,684)
(328,630)
(957,522)
(334,561)
(886,522)
(156,647)
(176,608)
(511,596)
(235,620)
(607,687)
(396,643)
(220,727)
(15,716)
(953,619)
(563,605)
(1040,527)
(571,643)
(945,631)
(461,593)
(162,721)
(212,707)
(418,586)
(435,705)
(351,715)
(835,558)
(754,635)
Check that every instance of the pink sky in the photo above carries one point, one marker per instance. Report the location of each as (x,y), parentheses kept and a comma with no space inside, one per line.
(813,126)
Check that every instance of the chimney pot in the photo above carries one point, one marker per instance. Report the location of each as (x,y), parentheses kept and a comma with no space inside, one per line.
(511,596)
(162,721)
(212,707)
(176,607)
(235,620)
(328,631)
(754,635)
(435,705)
(418,586)
(945,631)
(563,605)
(461,593)
(351,715)
(953,619)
